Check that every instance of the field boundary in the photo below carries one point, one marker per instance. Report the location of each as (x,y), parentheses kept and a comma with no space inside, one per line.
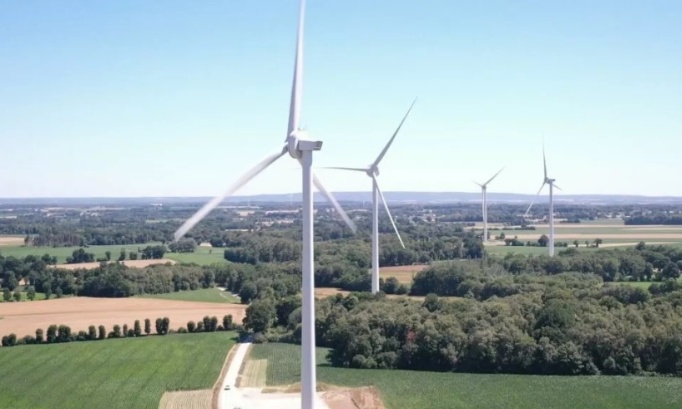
(215,396)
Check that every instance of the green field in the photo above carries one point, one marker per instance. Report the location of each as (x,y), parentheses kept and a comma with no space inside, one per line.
(202,255)
(412,389)
(204,295)
(118,373)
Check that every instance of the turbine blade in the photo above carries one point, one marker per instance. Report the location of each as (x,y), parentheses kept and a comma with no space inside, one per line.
(390,141)
(494,176)
(297,83)
(343,168)
(554,184)
(383,200)
(332,200)
(533,201)
(544,160)
(206,209)
(477,183)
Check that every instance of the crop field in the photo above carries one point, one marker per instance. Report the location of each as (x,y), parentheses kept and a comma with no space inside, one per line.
(402,273)
(11,240)
(413,389)
(23,318)
(612,232)
(111,374)
(214,295)
(202,255)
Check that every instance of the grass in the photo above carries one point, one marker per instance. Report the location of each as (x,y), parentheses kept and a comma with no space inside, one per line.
(204,295)
(118,373)
(413,389)
(202,255)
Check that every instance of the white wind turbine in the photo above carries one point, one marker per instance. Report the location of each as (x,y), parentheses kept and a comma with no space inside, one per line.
(552,185)
(373,171)
(300,148)
(484,193)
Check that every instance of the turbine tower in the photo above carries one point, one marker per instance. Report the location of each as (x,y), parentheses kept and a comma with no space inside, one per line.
(301,149)
(547,181)
(484,193)
(373,171)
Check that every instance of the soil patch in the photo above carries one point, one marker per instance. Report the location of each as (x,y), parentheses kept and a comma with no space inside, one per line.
(337,397)
(11,241)
(128,263)
(200,399)
(80,312)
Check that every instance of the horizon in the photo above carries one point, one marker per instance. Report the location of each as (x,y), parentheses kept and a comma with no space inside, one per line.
(144,100)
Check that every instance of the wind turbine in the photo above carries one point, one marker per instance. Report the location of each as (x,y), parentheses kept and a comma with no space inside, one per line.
(300,148)
(547,181)
(373,171)
(484,193)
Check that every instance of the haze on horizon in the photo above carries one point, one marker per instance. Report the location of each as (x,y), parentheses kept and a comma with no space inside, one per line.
(175,99)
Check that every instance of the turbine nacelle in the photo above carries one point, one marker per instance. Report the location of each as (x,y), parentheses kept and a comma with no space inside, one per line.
(299,141)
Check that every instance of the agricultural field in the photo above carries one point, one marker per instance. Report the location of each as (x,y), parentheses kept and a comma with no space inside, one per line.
(413,389)
(213,295)
(403,274)
(612,232)
(110,374)
(202,255)
(79,313)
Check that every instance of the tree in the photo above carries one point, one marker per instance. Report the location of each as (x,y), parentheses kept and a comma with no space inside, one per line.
(92,333)
(137,329)
(227,322)
(260,315)
(670,271)
(107,254)
(191,326)
(133,255)
(117,331)
(39,336)
(122,256)
(576,243)
(6,294)
(17,295)
(543,240)
(147,326)
(31,292)
(391,285)
(125,330)
(58,292)
(102,332)
(597,242)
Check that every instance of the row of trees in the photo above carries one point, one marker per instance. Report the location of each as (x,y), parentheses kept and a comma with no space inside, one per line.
(62,333)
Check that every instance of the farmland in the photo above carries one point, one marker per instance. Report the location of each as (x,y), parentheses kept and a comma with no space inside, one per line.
(612,232)
(201,255)
(412,389)
(213,295)
(80,312)
(118,373)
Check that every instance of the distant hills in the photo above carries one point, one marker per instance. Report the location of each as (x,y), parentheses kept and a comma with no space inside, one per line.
(393,197)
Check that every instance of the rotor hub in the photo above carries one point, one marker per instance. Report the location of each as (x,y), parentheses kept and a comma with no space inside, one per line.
(293,141)
(372,171)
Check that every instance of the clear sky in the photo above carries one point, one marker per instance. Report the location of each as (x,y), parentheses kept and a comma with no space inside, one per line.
(178,98)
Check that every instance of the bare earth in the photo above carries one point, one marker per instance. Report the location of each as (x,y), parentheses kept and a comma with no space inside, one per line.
(23,318)
(402,273)
(11,241)
(129,263)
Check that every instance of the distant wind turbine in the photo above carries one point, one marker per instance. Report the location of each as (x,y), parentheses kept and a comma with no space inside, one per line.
(552,185)
(484,193)
(300,148)
(373,171)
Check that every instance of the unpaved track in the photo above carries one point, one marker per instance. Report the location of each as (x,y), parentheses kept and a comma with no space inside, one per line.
(23,318)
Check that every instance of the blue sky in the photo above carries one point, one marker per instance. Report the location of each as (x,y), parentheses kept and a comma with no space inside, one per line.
(178,98)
